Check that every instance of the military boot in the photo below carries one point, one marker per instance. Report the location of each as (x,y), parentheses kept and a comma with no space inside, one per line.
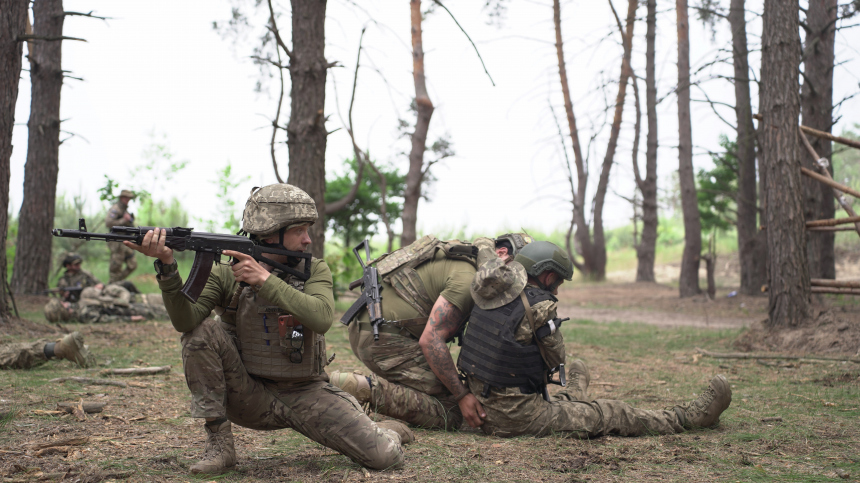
(578,378)
(402,430)
(219,454)
(705,410)
(354,383)
(72,348)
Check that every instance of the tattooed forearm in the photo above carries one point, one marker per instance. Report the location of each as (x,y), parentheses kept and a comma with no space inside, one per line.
(444,321)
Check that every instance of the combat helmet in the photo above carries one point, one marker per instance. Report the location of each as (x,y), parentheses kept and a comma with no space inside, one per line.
(540,256)
(71,258)
(272,208)
(56,312)
(517,241)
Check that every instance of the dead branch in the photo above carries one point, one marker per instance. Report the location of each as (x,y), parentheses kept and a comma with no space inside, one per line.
(136,371)
(63,442)
(28,38)
(276,32)
(776,419)
(744,355)
(833,222)
(90,381)
(830,182)
(637,127)
(437,2)
(831,228)
(826,282)
(836,291)
(88,14)
(88,407)
(822,135)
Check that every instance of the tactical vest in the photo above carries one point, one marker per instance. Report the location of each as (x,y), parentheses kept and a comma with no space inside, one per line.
(398,269)
(265,353)
(491,353)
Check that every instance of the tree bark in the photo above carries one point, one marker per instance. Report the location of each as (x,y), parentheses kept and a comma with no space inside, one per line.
(816,106)
(306,132)
(36,218)
(13,21)
(688,282)
(645,252)
(424,106)
(788,271)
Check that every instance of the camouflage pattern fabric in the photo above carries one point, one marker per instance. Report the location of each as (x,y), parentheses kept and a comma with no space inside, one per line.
(276,206)
(81,278)
(121,255)
(497,284)
(220,386)
(116,304)
(23,355)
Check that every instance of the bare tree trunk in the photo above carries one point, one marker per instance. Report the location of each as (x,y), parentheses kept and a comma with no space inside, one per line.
(816,106)
(33,253)
(415,175)
(306,133)
(688,282)
(788,272)
(13,21)
(645,252)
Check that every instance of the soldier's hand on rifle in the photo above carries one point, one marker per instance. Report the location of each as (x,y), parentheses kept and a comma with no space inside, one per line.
(153,246)
(247,270)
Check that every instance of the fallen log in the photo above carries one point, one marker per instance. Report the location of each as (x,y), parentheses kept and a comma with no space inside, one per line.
(744,355)
(62,442)
(136,371)
(88,407)
(833,221)
(835,290)
(90,381)
(824,282)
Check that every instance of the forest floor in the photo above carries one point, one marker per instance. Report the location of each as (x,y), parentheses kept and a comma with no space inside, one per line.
(790,420)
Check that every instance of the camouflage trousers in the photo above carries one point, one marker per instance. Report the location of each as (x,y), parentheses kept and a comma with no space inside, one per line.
(220,386)
(511,413)
(23,355)
(121,255)
(402,385)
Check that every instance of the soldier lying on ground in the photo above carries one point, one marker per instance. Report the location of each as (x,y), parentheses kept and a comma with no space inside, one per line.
(278,379)
(118,215)
(425,289)
(25,355)
(112,304)
(513,341)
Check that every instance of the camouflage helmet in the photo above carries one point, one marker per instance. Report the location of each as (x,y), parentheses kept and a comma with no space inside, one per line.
(540,256)
(71,258)
(277,206)
(56,312)
(517,240)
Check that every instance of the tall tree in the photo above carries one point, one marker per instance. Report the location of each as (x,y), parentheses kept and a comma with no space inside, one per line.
(645,251)
(788,272)
(13,24)
(816,106)
(753,268)
(36,217)
(424,111)
(688,282)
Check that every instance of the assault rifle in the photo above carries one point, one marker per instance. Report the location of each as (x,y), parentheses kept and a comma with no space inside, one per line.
(74,292)
(370,294)
(208,246)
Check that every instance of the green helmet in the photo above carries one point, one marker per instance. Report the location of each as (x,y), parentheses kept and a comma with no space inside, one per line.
(517,241)
(539,256)
(71,258)
(277,206)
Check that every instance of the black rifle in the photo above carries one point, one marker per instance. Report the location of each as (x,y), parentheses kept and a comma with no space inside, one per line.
(74,292)
(208,246)
(370,294)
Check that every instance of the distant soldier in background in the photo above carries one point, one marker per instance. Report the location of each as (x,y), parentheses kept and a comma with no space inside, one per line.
(25,355)
(120,254)
(112,304)
(75,277)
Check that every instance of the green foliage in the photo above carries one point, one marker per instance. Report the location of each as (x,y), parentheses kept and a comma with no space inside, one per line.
(226,184)
(361,219)
(717,189)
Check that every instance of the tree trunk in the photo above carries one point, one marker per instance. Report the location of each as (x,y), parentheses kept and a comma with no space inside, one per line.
(816,106)
(13,21)
(645,252)
(415,175)
(752,270)
(688,282)
(36,218)
(609,156)
(306,133)
(788,272)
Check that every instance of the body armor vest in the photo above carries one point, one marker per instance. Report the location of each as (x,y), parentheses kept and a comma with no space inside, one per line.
(268,350)
(491,353)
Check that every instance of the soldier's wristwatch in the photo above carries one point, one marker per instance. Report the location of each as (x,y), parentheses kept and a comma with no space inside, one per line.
(165,271)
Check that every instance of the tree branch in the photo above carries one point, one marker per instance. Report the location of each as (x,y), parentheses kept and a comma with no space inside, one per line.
(88,14)
(22,38)
(276,32)
(437,2)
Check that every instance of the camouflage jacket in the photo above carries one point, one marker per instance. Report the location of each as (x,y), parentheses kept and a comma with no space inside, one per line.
(81,278)
(115,216)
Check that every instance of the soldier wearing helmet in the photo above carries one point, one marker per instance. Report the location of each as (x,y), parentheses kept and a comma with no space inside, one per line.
(118,215)
(262,365)
(75,277)
(513,345)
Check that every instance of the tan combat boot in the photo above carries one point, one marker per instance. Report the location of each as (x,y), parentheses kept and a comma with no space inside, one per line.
(705,410)
(578,378)
(354,383)
(72,348)
(219,454)
(402,430)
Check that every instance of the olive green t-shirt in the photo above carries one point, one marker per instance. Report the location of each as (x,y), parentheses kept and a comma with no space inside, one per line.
(314,307)
(442,277)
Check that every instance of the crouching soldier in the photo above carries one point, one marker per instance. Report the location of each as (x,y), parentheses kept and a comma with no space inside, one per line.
(245,369)
(513,341)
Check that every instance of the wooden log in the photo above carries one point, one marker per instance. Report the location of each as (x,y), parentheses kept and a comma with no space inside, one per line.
(830,228)
(836,291)
(137,371)
(744,355)
(833,222)
(63,442)
(88,407)
(824,282)
(90,381)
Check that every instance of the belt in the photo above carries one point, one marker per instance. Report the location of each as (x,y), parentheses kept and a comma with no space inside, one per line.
(395,326)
